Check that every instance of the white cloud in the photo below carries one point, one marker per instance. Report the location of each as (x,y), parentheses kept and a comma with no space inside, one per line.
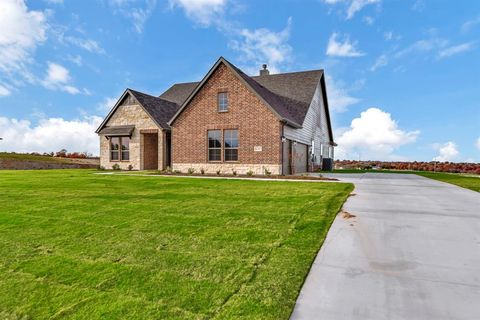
(4,91)
(419,5)
(369,20)
(75,59)
(477,143)
(446,152)
(353,6)
(21,31)
(107,104)
(50,135)
(454,50)
(357,5)
(261,46)
(87,44)
(390,35)
(374,136)
(203,12)
(380,62)
(58,78)
(138,14)
(342,49)
(423,46)
(468,25)
(256,46)
(54,1)
(338,97)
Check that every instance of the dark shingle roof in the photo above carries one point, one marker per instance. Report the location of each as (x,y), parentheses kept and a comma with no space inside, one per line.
(288,107)
(299,86)
(125,130)
(289,94)
(159,109)
(179,92)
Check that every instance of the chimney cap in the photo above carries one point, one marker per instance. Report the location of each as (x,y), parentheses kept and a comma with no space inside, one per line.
(264,71)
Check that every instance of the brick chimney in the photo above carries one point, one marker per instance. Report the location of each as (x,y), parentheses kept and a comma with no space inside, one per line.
(264,71)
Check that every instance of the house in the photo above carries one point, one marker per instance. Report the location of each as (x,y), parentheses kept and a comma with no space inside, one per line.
(229,121)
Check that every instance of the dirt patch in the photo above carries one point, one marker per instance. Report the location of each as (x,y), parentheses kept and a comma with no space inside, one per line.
(348,215)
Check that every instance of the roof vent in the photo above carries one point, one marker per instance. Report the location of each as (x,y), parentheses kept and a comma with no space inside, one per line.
(264,71)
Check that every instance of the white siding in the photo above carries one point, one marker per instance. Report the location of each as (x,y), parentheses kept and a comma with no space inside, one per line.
(314,128)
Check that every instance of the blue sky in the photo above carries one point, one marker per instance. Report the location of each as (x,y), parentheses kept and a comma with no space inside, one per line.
(403,76)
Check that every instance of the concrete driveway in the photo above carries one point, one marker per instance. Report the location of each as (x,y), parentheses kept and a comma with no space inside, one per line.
(411,252)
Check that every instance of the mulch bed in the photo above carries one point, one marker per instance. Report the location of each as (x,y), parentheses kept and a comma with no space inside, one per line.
(289,177)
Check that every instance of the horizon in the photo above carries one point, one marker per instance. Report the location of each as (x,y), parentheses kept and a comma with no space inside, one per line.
(394,70)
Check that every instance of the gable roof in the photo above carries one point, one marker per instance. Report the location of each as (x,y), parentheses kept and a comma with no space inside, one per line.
(160,110)
(179,92)
(296,85)
(288,95)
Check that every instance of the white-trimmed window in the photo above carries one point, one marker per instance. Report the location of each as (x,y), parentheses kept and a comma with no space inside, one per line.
(222,101)
(214,145)
(230,140)
(119,149)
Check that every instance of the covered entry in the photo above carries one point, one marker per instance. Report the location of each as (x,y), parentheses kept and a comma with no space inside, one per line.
(150,150)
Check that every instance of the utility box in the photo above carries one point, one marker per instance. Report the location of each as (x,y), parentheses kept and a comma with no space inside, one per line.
(327,164)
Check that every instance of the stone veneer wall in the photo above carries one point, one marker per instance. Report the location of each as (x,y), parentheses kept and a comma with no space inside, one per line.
(256,124)
(132,115)
(227,168)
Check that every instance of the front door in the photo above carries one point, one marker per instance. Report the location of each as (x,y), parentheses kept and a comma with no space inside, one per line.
(150,151)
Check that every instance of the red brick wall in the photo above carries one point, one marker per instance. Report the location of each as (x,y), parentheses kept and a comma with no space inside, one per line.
(256,124)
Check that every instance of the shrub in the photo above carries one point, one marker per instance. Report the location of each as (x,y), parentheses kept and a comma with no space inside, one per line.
(202,171)
(234,172)
(267,172)
(101,168)
(130,167)
(191,170)
(177,171)
(116,166)
(218,172)
(249,173)
(168,169)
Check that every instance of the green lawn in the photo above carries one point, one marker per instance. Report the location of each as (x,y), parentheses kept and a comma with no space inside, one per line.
(74,245)
(465,181)
(468,181)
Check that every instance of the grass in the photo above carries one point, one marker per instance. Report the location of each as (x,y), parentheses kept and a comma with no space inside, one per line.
(74,245)
(31,157)
(465,181)
(468,181)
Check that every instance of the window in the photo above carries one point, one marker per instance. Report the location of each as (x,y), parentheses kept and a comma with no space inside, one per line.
(231,145)
(119,148)
(214,145)
(222,100)
(125,148)
(114,147)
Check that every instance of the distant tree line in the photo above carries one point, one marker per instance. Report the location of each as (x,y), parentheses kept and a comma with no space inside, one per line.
(453,167)
(63,153)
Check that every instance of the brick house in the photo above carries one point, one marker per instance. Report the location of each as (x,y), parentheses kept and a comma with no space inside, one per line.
(227,122)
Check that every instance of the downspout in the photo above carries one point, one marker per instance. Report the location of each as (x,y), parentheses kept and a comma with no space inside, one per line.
(283,146)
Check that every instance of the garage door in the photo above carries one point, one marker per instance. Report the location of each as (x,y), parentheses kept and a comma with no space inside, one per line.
(299,157)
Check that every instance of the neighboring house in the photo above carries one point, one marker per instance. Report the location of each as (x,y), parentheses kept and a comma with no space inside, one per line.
(227,122)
